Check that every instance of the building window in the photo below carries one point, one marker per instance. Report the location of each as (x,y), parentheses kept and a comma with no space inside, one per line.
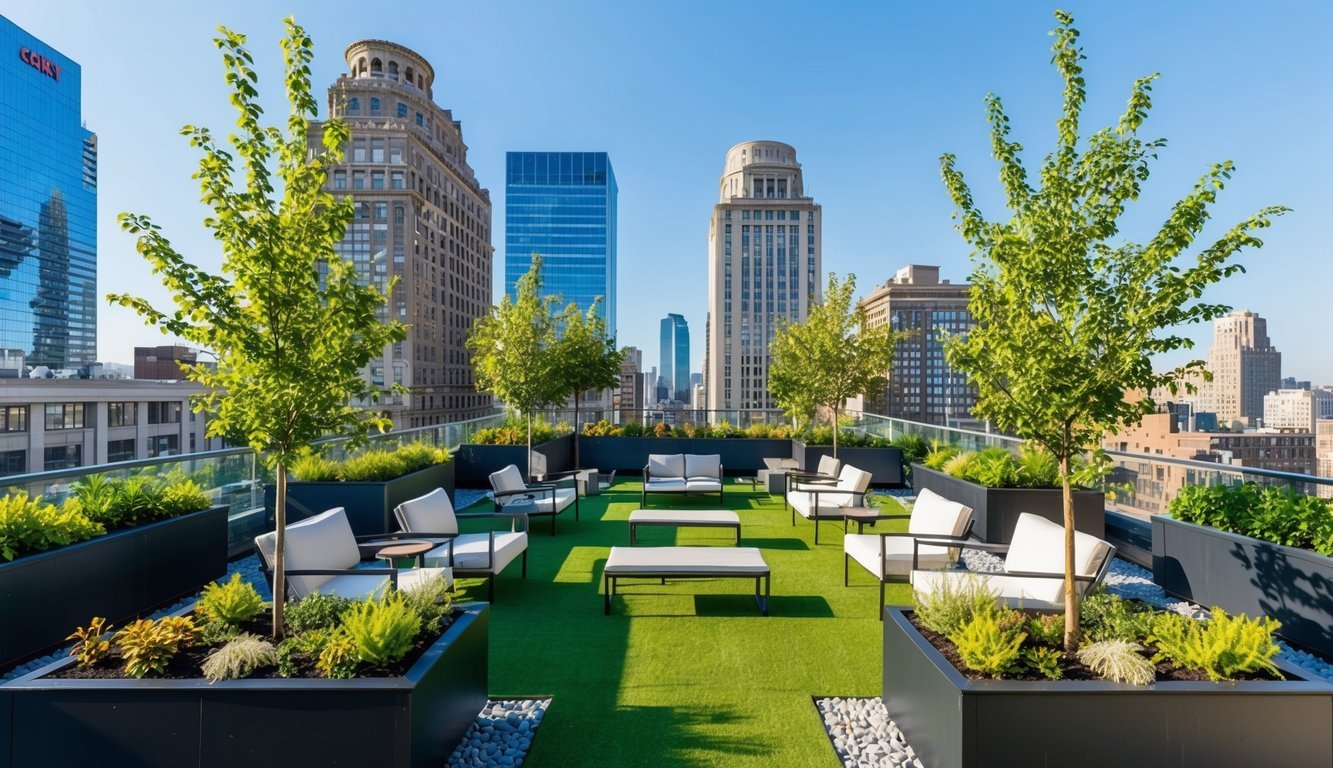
(13,462)
(164,412)
(377,180)
(397,180)
(62,457)
(402,109)
(163,445)
(120,414)
(120,450)
(354,106)
(14,418)
(64,416)
(421,120)
(340,179)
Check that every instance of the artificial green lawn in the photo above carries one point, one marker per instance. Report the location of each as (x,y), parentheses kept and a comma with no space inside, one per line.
(686,674)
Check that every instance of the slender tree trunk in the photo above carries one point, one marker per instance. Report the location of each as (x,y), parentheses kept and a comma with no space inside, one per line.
(1071,592)
(577,397)
(835,432)
(529,472)
(279,555)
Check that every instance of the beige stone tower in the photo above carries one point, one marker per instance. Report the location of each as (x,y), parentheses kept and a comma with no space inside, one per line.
(1245,367)
(764,268)
(421,217)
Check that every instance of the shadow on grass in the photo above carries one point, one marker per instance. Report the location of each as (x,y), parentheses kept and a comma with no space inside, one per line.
(787,544)
(786,606)
(690,736)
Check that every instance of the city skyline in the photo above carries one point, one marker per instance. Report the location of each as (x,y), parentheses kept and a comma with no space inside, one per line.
(881,100)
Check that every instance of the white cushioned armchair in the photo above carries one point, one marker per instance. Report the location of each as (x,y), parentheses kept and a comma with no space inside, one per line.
(819,501)
(1034,565)
(681,473)
(432,517)
(322,556)
(893,556)
(532,499)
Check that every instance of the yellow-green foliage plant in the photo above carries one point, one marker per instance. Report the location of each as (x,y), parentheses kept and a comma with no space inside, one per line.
(991,643)
(339,657)
(1221,647)
(383,629)
(313,468)
(31,525)
(418,455)
(230,602)
(953,603)
(148,646)
(241,656)
(92,645)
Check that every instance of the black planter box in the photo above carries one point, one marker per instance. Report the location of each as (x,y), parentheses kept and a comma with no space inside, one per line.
(952,721)
(1249,576)
(885,465)
(411,721)
(475,462)
(369,505)
(740,455)
(45,596)
(996,510)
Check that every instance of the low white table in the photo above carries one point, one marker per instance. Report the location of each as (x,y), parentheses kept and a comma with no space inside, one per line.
(684,518)
(687,563)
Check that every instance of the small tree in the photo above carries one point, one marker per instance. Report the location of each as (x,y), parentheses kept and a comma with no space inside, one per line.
(291,325)
(514,350)
(830,357)
(1067,321)
(587,358)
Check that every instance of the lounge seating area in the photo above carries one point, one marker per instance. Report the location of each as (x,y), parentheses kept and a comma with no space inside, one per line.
(546,499)
(817,497)
(682,473)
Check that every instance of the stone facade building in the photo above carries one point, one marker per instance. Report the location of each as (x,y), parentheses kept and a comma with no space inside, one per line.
(1245,367)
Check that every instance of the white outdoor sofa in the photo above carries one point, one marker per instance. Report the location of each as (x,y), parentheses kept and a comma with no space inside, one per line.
(681,473)
(322,556)
(1034,565)
(826,500)
(432,518)
(893,556)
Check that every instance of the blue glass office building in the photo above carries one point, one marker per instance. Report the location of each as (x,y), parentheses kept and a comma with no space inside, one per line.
(562,205)
(48,206)
(675,368)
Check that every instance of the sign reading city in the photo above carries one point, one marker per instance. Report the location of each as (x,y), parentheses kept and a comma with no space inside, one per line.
(40,63)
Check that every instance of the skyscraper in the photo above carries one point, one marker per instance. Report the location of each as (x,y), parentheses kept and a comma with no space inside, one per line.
(48,207)
(763,269)
(421,216)
(562,205)
(675,370)
(921,386)
(1245,367)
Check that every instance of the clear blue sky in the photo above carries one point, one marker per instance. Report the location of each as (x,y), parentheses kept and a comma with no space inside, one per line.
(870,94)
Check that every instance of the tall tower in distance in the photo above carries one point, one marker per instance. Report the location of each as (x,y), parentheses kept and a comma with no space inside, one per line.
(675,370)
(421,216)
(1245,367)
(562,206)
(763,269)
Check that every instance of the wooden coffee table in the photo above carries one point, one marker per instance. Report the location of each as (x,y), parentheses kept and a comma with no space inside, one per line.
(862,515)
(403,550)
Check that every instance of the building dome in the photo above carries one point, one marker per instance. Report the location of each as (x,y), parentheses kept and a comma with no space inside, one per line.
(382,59)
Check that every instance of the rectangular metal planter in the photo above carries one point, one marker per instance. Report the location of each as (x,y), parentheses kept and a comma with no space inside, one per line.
(952,721)
(475,462)
(1245,575)
(996,510)
(885,465)
(740,455)
(45,596)
(411,721)
(369,505)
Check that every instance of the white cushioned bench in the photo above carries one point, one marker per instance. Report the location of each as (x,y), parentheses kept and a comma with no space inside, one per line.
(684,518)
(681,473)
(687,563)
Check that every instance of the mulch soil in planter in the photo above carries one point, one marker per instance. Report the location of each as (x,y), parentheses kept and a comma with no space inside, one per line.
(1073,668)
(188,662)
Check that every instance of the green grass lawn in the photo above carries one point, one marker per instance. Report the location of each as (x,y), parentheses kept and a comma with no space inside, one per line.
(688,673)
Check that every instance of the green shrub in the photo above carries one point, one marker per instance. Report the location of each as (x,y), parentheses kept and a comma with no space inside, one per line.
(1037,468)
(1270,513)
(307,645)
(953,603)
(1118,661)
(183,497)
(1108,617)
(382,630)
(1047,629)
(992,467)
(1044,660)
(148,646)
(92,643)
(96,495)
(31,525)
(633,429)
(338,657)
(1221,647)
(372,466)
(991,643)
(958,464)
(231,602)
(432,600)
(515,432)
(239,657)
(139,500)
(914,448)
(939,456)
(313,468)
(418,455)
(315,612)
(601,428)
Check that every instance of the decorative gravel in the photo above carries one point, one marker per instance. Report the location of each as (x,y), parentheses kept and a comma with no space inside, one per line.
(863,735)
(501,736)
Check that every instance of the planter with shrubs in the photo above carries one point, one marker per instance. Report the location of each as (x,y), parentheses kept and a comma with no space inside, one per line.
(1253,550)
(625,448)
(973,684)
(999,486)
(368,486)
(114,548)
(495,448)
(394,681)
(882,458)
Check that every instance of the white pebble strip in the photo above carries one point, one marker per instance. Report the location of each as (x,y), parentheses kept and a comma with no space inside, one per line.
(501,736)
(863,735)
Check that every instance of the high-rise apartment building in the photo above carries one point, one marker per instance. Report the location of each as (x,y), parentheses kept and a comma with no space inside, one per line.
(921,386)
(1290,410)
(562,205)
(675,350)
(630,399)
(163,362)
(763,269)
(421,216)
(48,206)
(1245,367)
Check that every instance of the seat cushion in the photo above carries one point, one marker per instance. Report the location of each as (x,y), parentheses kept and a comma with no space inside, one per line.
(831,503)
(546,504)
(934,515)
(432,513)
(356,587)
(1038,546)
(1016,591)
(897,560)
(507,479)
(703,485)
(724,561)
(665,484)
(703,466)
(324,541)
(829,466)
(666,465)
(472,551)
